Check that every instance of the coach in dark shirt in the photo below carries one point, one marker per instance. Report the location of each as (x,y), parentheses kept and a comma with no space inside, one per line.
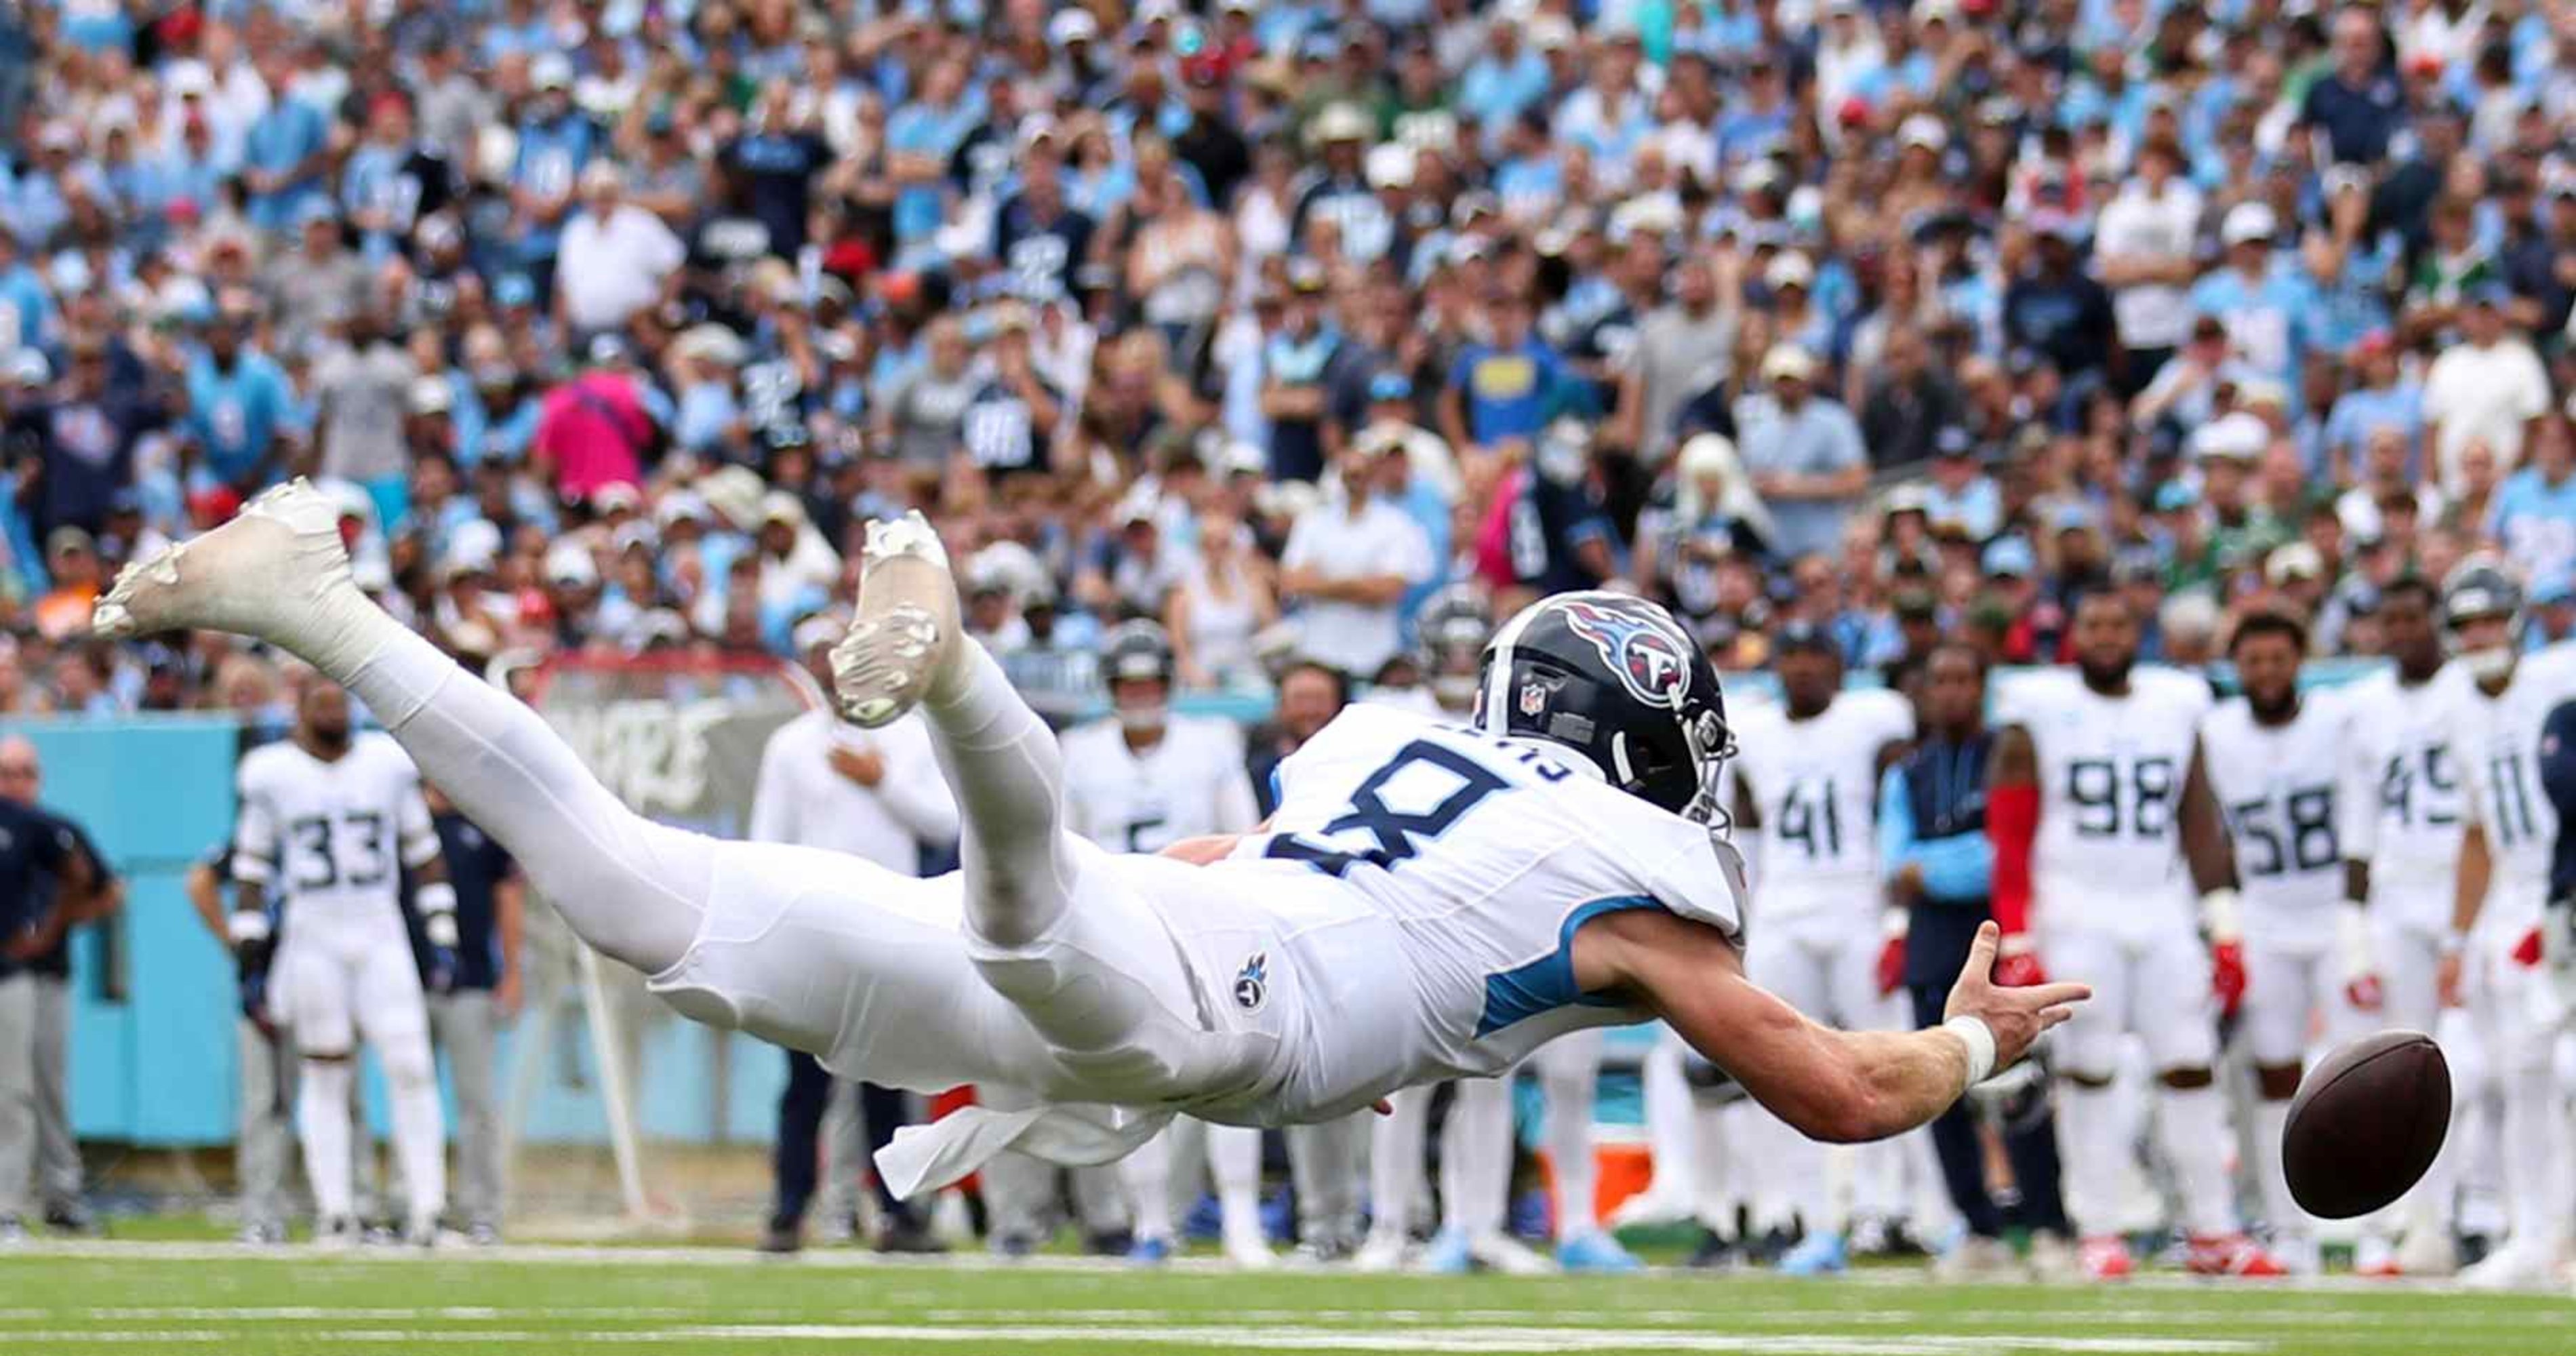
(2357,105)
(491,901)
(1940,867)
(33,915)
(58,1164)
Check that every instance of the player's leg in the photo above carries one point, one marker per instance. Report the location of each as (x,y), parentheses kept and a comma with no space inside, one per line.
(1569,1069)
(2281,991)
(1019,1191)
(1796,964)
(393,1019)
(320,985)
(1476,1148)
(2409,962)
(1149,1175)
(1396,1143)
(2092,1135)
(1669,1194)
(633,889)
(2172,1012)
(2523,1049)
(1879,1208)
(1325,1166)
(17,1099)
(264,1133)
(1099,1196)
(1234,1162)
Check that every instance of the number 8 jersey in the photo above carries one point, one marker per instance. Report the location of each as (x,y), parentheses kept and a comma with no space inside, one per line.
(330,839)
(2110,789)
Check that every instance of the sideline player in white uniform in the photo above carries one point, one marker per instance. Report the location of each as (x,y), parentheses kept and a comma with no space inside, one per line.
(1429,901)
(2402,807)
(2492,958)
(1807,783)
(1140,781)
(2263,850)
(1476,1137)
(329,824)
(2085,807)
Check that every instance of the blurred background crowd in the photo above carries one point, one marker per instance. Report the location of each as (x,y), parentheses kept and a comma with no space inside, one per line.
(612,322)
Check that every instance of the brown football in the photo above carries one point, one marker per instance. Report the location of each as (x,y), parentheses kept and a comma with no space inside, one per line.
(2367,1123)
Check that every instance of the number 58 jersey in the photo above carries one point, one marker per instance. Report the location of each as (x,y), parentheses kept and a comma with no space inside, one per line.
(330,839)
(2111,773)
(2276,787)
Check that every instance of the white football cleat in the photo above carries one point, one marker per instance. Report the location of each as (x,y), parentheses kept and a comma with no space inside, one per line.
(1382,1252)
(2515,1266)
(2428,1250)
(262,574)
(904,640)
(1498,1251)
(1247,1250)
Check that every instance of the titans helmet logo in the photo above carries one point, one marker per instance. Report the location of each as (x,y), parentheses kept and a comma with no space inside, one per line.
(1646,655)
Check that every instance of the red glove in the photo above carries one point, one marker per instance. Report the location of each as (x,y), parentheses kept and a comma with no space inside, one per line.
(1891,966)
(2365,994)
(2227,975)
(2017,963)
(2527,951)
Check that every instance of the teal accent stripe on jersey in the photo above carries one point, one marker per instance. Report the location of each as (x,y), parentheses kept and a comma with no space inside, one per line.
(1546,984)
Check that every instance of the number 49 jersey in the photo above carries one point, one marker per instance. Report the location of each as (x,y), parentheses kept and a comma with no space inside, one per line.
(2276,786)
(1814,784)
(330,839)
(2402,802)
(2110,788)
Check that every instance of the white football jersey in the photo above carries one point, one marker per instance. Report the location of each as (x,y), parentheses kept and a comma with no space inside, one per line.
(1428,879)
(2111,772)
(2498,739)
(1814,788)
(1192,782)
(2405,788)
(2277,788)
(331,838)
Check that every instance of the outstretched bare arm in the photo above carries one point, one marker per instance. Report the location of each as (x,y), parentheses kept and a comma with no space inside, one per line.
(1835,1086)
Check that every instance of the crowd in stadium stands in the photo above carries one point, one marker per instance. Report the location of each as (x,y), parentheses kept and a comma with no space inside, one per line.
(612,323)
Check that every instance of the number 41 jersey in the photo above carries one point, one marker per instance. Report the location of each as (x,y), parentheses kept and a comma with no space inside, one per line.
(330,839)
(1814,787)
(2110,795)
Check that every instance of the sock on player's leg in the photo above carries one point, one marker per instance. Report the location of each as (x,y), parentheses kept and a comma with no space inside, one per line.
(1234,1160)
(2535,1154)
(2271,1122)
(1570,1092)
(2193,1126)
(1008,773)
(420,1130)
(1669,1120)
(1713,1198)
(1395,1160)
(1148,1173)
(322,1124)
(1476,1157)
(2088,1124)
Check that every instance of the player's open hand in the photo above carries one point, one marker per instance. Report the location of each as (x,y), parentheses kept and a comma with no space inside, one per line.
(2017,1016)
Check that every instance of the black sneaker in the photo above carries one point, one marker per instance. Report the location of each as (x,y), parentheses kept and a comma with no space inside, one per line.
(1764,1252)
(1109,1242)
(1715,1251)
(74,1219)
(782,1237)
(908,1236)
(1015,1245)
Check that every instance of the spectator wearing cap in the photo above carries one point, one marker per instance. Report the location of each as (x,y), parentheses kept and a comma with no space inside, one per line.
(1804,451)
(598,428)
(2058,311)
(2262,302)
(392,179)
(615,257)
(1012,420)
(241,408)
(318,283)
(2143,249)
(1504,388)
(922,419)
(2188,388)
(1683,347)
(1295,397)
(2533,514)
(1337,189)
(1349,561)
(2014,600)
(71,558)
(2381,395)
(2357,105)
(555,143)
(2296,574)
(1039,238)
(774,163)
(2485,390)
(2226,452)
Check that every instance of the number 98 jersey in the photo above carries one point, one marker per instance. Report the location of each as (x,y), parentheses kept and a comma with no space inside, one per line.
(2110,790)
(330,839)
(2276,786)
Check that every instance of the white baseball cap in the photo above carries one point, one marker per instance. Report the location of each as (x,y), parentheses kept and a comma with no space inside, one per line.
(2247,222)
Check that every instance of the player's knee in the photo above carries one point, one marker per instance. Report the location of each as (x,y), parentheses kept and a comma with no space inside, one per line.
(327,1059)
(2090,1082)
(408,1066)
(2190,1078)
(2279,1082)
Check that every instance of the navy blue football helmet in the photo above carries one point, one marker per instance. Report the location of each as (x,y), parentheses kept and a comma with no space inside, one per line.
(1617,680)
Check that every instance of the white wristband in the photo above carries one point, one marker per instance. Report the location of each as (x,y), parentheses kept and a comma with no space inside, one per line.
(2221,915)
(437,897)
(246,925)
(1980,1040)
(2353,939)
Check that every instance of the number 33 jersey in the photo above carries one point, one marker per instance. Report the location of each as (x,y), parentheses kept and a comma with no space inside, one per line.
(2276,787)
(2110,794)
(330,839)
(1426,881)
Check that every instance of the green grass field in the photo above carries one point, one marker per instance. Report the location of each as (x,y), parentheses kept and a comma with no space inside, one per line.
(190,1298)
